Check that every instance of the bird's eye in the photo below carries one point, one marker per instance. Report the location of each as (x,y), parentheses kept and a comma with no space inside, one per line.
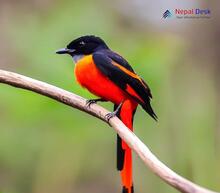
(82,43)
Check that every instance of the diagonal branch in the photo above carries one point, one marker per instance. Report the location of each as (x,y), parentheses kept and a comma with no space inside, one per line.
(75,101)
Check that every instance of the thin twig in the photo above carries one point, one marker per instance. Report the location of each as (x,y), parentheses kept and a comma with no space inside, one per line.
(68,98)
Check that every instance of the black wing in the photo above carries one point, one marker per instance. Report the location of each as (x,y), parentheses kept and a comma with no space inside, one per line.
(126,79)
(118,59)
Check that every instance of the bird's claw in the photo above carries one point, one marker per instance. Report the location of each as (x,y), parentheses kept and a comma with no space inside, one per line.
(108,116)
(90,102)
(93,101)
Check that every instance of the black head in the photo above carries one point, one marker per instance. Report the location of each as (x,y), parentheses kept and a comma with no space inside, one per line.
(83,46)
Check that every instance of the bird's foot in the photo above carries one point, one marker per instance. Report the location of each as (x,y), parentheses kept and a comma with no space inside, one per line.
(108,116)
(93,101)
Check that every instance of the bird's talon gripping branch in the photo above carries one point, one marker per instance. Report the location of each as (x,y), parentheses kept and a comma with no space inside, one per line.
(108,116)
(92,101)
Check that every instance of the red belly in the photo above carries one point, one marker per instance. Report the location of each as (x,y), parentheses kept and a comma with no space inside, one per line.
(90,77)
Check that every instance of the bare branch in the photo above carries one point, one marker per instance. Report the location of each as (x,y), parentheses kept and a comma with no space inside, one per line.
(134,142)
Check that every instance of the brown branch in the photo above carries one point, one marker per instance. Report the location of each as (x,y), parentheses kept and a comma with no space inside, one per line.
(134,142)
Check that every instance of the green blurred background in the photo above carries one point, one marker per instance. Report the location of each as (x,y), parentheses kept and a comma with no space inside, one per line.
(47,147)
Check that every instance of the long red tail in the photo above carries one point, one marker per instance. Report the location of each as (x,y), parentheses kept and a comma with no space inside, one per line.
(124,153)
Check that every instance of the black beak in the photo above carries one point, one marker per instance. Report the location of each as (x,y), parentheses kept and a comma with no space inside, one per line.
(64,51)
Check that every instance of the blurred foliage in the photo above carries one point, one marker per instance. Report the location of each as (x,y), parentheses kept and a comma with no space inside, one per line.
(49,147)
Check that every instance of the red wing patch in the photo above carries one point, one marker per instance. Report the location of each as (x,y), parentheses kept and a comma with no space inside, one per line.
(132,92)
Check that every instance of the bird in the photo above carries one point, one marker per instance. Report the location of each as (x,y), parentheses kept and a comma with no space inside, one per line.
(109,76)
